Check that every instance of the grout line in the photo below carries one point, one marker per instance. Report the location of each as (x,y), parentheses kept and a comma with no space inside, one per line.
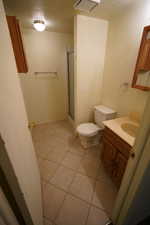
(74,170)
(97,179)
(72,182)
(61,206)
(61,187)
(48,220)
(69,193)
(89,209)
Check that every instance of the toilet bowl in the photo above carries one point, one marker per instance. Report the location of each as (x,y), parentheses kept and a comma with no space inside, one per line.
(88,129)
(90,133)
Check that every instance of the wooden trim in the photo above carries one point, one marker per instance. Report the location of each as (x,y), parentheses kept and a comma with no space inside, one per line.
(143,88)
(17,44)
(135,77)
(22,52)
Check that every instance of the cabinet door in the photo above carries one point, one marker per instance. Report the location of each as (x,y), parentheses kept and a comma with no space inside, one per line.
(119,168)
(144,62)
(108,156)
(17,44)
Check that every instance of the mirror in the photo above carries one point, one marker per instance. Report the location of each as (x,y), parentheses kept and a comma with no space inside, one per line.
(141,79)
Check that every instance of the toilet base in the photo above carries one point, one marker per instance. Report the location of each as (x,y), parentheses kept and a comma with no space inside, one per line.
(88,142)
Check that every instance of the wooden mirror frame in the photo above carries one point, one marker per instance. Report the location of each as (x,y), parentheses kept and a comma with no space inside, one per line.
(135,77)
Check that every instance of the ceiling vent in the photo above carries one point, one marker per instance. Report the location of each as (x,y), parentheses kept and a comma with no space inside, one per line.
(86,5)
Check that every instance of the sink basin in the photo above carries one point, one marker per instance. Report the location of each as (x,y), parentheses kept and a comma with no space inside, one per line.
(130,129)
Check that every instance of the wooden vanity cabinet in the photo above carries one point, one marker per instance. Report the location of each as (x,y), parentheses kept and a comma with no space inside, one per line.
(17,44)
(115,155)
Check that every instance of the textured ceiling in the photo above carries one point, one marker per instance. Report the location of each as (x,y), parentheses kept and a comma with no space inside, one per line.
(58,14)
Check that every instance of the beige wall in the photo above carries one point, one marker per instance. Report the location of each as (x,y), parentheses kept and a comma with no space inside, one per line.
(90,43)
(14,126)
(45,97)
(122,48)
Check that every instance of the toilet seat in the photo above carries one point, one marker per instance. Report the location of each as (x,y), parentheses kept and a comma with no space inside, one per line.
(88,129)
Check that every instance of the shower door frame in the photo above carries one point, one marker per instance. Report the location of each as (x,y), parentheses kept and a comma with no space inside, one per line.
(68,82)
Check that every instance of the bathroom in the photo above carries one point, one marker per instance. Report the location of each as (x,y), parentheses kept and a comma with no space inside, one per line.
(81,60)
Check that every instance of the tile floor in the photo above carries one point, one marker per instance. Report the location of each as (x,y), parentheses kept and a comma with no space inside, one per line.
(76,190)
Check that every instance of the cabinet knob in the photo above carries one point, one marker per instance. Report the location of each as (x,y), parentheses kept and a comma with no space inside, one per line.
(132,154)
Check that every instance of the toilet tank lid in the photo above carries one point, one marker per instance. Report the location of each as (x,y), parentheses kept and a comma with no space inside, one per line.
(104,109)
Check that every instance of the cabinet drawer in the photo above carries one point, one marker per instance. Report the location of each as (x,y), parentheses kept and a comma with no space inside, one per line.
(115,140)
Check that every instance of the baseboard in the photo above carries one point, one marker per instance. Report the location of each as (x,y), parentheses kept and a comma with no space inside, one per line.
(45,122)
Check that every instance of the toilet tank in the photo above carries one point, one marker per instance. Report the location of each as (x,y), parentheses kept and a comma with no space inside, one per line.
(103,113)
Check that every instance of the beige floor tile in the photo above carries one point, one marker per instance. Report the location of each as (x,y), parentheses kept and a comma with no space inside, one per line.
(43,185)
(97,217)
(42,154)
(63,125)
(40,161)
(38,132)
(93,160)
(93,154)
(62,133)
(105,195)
(71,161)
(48,169)
(42,148)
(57,155)
(89,168)
(47,222)
(102,175)
(76,148)
(63,178)
(73,212)
(53,200)
(77,151)
(56,142)
(94,151)
(83,187)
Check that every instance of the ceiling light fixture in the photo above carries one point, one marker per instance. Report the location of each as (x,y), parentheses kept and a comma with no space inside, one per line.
(39,25)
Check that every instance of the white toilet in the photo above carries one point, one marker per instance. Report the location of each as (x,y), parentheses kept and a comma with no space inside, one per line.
(90,133)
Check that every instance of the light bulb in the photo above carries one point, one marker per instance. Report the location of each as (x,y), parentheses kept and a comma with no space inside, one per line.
(39,25)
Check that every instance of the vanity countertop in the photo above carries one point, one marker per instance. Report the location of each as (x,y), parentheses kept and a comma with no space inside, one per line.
(116,126)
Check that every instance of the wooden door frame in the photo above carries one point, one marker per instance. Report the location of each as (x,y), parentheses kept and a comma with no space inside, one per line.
(130,179)
(11,188)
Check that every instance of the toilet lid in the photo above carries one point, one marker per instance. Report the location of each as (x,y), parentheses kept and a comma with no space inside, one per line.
(88,129)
